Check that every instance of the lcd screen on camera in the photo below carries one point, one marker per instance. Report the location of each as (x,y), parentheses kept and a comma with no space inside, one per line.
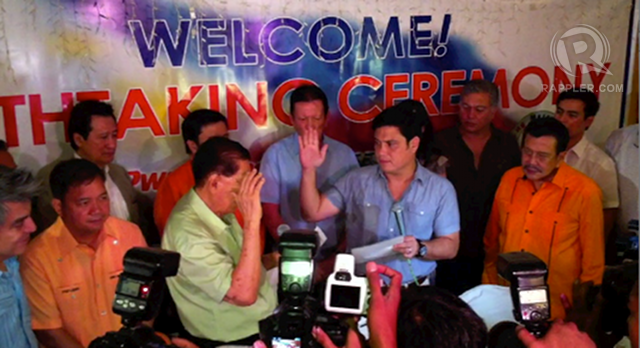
(345,296)
(533,296)
(278,342)
(129,287)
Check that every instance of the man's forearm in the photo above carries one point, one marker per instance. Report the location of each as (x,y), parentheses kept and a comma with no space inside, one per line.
(245,280)
(443,248)
(309,195)
(56,338)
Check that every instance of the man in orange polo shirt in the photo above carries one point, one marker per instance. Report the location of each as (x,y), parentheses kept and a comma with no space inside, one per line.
(551,210)
(70,271)
(197,127)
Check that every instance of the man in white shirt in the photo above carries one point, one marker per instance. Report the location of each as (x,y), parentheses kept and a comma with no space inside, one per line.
(576,109)
(622,145)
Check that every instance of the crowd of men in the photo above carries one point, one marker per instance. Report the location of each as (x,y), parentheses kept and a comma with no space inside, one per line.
(458,198)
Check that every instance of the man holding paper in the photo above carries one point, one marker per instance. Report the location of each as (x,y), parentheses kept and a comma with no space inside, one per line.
(395,198)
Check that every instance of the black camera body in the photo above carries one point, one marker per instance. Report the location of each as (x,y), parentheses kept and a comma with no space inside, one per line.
(298,312)
(527,275)
(138,297)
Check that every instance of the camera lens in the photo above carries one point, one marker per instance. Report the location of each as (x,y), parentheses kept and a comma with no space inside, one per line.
(295,287)
(535,315)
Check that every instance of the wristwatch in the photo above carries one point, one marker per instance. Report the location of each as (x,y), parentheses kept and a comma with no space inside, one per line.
(422,249)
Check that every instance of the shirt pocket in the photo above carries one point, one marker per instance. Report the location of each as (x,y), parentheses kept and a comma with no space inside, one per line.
(364,220)
(72,300)
(418,221)
(112,281)
(564,228)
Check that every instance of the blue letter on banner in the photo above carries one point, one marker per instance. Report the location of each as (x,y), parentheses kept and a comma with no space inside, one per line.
(314,39)
(212,35)
(269,45)
(369,35)
(417,45)
(160,36)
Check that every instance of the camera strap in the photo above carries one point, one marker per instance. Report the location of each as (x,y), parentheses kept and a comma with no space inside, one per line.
(397,212)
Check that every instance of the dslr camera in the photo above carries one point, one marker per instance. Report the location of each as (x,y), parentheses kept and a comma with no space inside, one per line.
(345,293)
(298,311)
(527,275)
(138,297)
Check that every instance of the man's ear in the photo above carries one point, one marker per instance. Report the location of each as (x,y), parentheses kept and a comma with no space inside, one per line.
(78,139)
(561,156)
(588,121)
(193,146)
(414,144)
(57,205)
(213,181)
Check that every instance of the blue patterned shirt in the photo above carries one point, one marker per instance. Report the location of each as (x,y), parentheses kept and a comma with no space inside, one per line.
(429,210)
(15,317)
(282,170)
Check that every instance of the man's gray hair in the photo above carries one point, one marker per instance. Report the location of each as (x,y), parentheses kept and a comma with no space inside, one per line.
(482,86)
(16,185)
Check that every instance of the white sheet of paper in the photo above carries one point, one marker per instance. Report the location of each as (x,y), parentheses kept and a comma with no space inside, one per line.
(376,251)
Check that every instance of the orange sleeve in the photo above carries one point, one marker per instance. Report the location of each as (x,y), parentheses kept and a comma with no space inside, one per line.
(44,309)
(491,243)
(164,203)
(591,234)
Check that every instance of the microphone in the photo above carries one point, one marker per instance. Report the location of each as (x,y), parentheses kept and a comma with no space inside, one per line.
(397,212)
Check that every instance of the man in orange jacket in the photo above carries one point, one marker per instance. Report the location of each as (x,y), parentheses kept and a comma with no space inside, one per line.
(551,210)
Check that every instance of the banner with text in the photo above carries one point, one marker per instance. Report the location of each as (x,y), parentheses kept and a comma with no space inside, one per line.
(155,60)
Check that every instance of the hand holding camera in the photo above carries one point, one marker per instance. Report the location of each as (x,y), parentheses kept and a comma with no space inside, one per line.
(383,309)
(560,335)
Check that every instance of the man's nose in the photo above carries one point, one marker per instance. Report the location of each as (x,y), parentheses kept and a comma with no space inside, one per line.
(29,226)
(112,142)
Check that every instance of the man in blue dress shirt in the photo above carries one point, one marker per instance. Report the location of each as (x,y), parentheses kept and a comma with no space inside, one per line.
(280,166)
(396,197)
(17,187)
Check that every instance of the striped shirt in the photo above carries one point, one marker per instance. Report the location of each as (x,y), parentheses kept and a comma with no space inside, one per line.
(15,318)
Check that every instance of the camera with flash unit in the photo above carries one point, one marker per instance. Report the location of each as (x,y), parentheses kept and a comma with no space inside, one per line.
(298,312)
(138,297)
(527,275)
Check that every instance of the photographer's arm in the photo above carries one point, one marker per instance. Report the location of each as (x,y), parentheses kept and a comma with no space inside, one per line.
(56,338)
(245,279)
(560,335)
